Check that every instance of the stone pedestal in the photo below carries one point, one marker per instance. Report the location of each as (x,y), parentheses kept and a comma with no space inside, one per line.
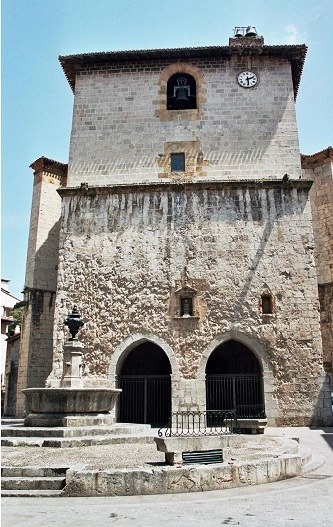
(72,365)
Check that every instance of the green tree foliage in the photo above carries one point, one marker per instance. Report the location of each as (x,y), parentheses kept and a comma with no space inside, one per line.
(16,315)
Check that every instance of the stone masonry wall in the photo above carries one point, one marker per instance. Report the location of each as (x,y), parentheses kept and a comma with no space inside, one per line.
(319,167)
(119,130)
(321,197)
(123,252)
(36,352)
(326,318)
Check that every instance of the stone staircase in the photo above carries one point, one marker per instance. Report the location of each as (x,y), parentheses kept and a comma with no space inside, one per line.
(39,481)
(32,481)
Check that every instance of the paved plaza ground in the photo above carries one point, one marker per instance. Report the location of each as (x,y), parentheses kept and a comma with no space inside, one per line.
(305,501)
(125,455)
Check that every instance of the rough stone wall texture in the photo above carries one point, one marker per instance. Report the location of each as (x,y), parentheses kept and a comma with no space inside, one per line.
(326,318)
(40,285)
(321,197)
(123,253)
(123,250)
(12,363)
(119,136)
(319,167)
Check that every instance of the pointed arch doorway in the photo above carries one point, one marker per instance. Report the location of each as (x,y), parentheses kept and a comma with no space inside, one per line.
(234,381)
(145,378)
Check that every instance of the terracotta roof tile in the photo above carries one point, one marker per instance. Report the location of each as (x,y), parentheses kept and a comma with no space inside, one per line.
(310,161)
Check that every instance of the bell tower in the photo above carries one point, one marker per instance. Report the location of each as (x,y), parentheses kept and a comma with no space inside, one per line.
(180,159)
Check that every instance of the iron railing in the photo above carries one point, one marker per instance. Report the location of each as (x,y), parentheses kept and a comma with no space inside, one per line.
(195,423)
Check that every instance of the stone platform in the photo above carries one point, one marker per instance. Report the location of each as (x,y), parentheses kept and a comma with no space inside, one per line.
(15,434)
(129,464)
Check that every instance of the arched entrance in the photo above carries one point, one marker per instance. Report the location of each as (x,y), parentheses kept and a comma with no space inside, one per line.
(234,381)
(145,378)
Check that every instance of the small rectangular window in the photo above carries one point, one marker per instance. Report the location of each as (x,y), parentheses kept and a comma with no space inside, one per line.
(178,162)
(266,304)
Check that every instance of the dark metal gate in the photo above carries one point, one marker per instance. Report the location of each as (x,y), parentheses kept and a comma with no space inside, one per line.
(145,399)
(242,393)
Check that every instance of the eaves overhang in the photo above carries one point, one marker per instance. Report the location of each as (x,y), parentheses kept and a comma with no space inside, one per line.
(50,165)
(72,64)
(319,158)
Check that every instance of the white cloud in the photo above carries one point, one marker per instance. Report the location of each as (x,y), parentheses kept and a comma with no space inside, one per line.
(294,36)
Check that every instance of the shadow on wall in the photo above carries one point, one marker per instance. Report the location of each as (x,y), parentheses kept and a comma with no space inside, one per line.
(41,304)
(323,414)
(328,436)
(46,261)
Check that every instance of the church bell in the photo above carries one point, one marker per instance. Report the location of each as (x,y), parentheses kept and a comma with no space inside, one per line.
(182,95)
(182,92)
(238,33)
(251,31)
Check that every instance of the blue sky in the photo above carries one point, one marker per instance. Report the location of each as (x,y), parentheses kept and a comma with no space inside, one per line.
(37,101)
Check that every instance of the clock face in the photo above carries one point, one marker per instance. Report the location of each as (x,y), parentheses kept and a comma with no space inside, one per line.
(247,79)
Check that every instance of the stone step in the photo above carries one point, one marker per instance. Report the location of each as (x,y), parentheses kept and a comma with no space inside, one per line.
(305,454)
(24,483)
(35,432)
(33,472)
(22,441)
(31,493)
(71,442)
(97,440)
(315,462)
(12,421)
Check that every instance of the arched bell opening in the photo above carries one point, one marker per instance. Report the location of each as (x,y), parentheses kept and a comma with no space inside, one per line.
(234,381)
(145,378)
(181,92)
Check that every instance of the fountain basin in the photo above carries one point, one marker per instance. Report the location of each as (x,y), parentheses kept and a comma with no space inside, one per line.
(66,406)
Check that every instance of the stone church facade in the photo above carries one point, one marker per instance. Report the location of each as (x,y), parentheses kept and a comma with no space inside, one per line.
(182,230)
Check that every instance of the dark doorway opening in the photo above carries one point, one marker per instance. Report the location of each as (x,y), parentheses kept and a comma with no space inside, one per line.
(145,379)
(234,381)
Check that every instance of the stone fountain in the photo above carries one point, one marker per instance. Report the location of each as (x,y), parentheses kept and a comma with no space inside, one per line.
(71,404)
